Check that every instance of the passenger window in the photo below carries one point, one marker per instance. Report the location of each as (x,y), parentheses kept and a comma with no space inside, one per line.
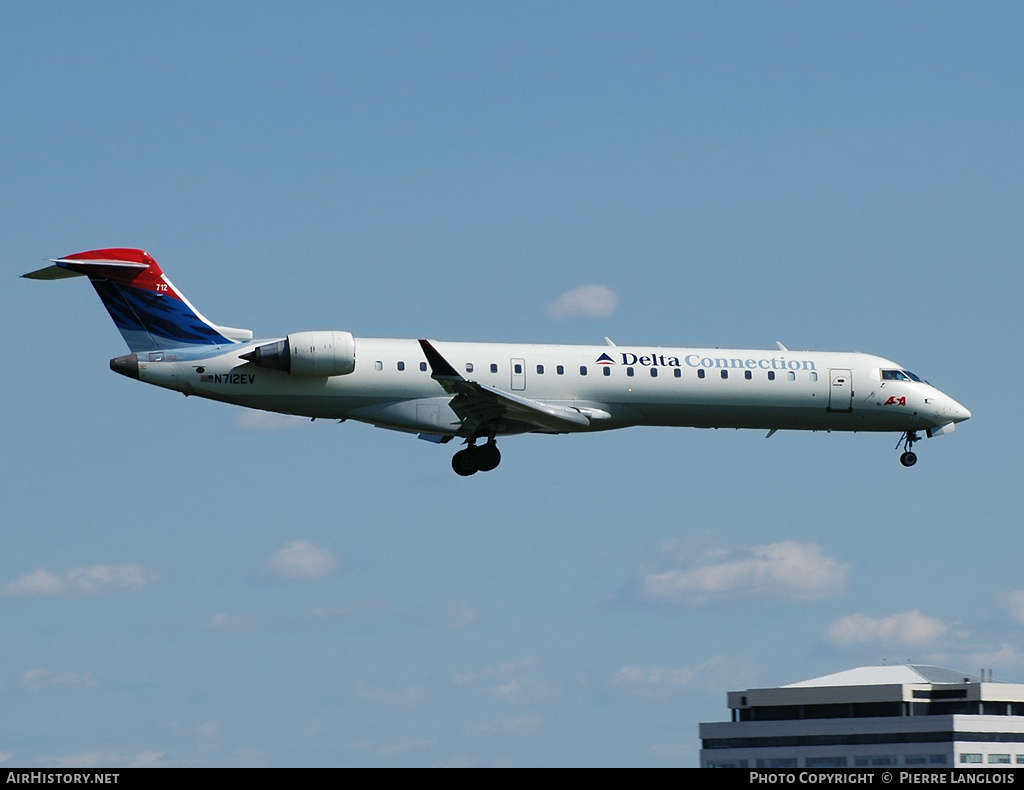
(814,376)
(423,366)
(559,370)
(401,366)
(771,375)
(469,367)
(725,374)
(700,373)
(540,368)
(654,373)
(379,365)
(748,375)
(494,368)
(678,373)
(583,370)
(518,369)
(629,371)
(607,370)
(791,376)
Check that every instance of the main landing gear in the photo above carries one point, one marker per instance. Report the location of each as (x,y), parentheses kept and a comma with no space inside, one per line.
(909,457)
(476,459)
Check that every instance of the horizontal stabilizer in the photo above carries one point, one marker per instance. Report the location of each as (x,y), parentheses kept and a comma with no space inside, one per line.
(54,272)
(148,310)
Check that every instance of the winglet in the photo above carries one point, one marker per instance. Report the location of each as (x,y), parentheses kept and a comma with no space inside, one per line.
(439,366)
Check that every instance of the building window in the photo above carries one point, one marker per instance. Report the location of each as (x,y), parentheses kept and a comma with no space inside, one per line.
(494,368)
(970,757)
(401,366)
(1020,759)
(778,762)
(875,760)
(999,759)
(607,371)
(825,762)
(925,759)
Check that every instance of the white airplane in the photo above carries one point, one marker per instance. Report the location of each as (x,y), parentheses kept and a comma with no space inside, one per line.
(479,391)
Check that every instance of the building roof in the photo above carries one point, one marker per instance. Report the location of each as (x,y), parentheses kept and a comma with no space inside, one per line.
(888,675)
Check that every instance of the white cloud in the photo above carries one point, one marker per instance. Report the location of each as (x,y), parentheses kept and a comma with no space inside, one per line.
(80,581)
(788,569)
(1006,657)
(108,759)
(251,421)
(659,681)
(907,628)
(227,623)
(411,697)
(301,560)
(520,690)
(504,668)
(586,301)
(525,722)
(39,678)
(208,730)
(1015,605)
(459,614)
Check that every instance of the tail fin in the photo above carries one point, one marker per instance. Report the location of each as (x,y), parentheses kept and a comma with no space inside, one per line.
(148,310)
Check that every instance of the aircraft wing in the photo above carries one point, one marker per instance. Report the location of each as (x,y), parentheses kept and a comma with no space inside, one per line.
(479,405)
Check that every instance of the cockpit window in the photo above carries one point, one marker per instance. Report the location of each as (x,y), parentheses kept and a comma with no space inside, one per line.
(899,375)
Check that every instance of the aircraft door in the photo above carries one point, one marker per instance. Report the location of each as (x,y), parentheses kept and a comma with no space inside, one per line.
(518,367)
(840,392)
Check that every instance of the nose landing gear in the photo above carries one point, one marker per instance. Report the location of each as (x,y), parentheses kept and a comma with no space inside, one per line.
(909,457)
(476,459)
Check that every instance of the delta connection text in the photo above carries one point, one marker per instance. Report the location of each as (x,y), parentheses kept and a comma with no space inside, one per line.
(698,361)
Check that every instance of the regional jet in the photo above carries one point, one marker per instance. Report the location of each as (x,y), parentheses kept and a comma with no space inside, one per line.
(478,392)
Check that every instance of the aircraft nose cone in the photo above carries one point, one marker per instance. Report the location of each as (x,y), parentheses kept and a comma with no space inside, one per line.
(960,413)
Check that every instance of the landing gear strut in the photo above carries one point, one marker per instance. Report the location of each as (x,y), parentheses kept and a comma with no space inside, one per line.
(476,459)
(909,457)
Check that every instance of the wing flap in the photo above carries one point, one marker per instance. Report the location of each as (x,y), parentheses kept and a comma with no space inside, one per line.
(478,404)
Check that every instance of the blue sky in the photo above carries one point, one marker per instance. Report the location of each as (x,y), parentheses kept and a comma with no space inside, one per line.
(185,583)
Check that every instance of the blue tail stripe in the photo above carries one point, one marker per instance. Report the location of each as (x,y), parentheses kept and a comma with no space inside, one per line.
(168,321)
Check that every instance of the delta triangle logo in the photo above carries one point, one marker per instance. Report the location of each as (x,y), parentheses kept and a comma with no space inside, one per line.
(604,359)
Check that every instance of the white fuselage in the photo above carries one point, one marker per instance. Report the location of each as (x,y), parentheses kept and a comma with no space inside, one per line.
(614,386)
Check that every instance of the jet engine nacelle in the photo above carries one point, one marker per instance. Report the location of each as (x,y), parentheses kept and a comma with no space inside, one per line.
(323,353)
